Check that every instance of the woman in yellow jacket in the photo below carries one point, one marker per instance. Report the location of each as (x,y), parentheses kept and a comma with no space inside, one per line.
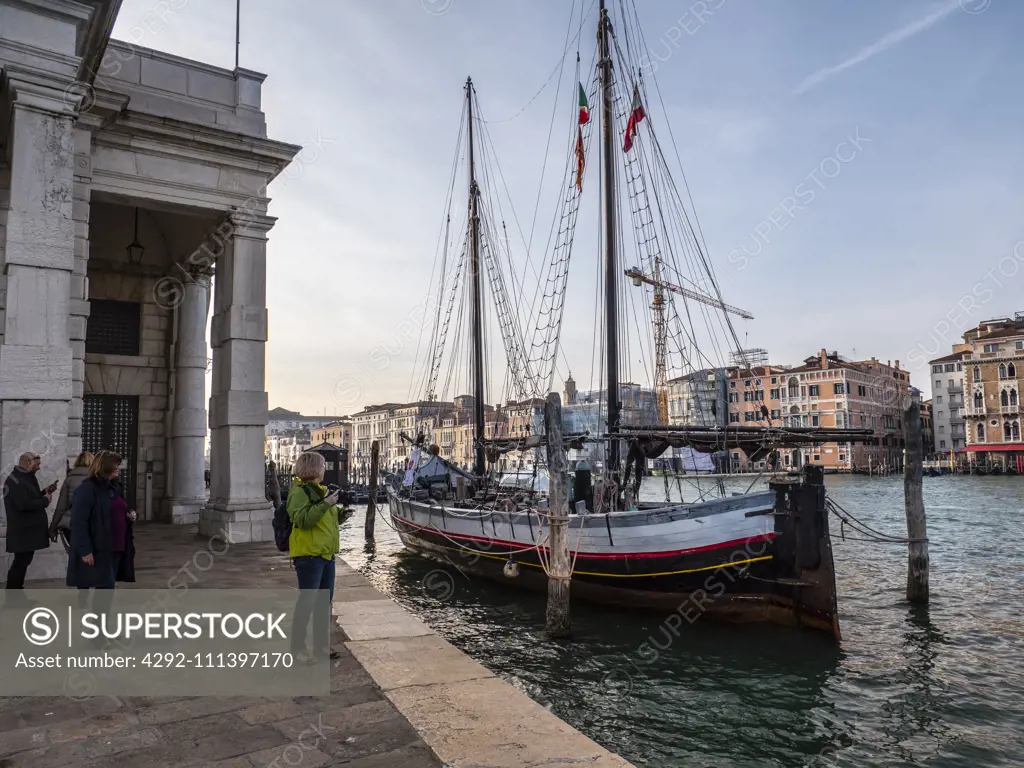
(313,543)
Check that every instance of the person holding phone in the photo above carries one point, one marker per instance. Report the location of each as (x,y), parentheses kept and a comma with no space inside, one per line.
(27,523)
(312,545)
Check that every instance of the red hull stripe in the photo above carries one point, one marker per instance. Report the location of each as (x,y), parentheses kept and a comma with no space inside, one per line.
(596,555)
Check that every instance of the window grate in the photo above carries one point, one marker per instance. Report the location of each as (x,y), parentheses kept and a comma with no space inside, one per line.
(110,422)
(114,327)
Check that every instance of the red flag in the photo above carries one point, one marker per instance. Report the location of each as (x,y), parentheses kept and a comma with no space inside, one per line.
(580,159)
(635,116)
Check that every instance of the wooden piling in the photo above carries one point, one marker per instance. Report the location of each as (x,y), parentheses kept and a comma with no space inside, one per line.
(917,529)
(371,502)
(558,619)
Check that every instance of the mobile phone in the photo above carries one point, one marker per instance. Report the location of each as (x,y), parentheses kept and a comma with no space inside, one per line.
(51,487)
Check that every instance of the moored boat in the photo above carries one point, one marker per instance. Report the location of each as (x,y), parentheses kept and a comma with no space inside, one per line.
(757,556)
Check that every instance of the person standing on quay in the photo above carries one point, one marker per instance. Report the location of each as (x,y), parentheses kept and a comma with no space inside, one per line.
(61,522)
(313,543)
(93,560)
(25,504)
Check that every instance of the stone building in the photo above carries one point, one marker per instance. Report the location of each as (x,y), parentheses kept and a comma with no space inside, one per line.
(372,423)
(748,391)
(948,426)
(993,368)
(699,398)
(281,421)
(830,391)
(337,433)
(128,178)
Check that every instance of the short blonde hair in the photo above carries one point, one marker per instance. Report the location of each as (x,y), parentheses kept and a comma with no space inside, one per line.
(103,464)
(84,459)
(309,465)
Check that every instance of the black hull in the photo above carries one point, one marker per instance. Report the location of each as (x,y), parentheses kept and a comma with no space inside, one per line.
(786,578)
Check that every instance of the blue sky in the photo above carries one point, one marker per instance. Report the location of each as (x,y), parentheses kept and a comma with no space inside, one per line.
(925,205)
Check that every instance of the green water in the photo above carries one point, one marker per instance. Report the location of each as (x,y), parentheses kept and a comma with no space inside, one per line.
(937,687)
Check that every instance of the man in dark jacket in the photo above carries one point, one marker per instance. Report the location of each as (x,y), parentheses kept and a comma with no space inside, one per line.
(27,523)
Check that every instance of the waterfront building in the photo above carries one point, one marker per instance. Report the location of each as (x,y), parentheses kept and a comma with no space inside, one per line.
(337,433)
(127,176)
(994,369)
(829,390)
(699,398)
(372,423)
(948,426)
(412,419)
(281,421)
(927,427)
(750,391)
(284,450)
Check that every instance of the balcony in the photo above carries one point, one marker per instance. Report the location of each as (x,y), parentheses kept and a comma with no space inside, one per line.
(1009,410)
(954,389)
(971,410)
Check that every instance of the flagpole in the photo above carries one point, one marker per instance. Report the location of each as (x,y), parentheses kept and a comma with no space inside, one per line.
(238,29)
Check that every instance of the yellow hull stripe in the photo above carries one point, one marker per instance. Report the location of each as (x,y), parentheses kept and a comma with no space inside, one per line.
(617,575)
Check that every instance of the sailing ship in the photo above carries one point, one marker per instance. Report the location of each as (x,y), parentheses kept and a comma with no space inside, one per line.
(762,555)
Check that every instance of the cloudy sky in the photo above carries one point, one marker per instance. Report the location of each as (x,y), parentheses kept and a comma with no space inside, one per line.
(856,167)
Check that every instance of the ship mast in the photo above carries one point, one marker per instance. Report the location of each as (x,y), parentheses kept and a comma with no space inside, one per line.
(478,318)
(611,273)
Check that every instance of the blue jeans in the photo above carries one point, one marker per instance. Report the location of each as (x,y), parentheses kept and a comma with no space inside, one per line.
(316,591)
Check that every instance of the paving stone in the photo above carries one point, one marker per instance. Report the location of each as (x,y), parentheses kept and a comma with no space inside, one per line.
(71,730)
(415,756)
(70,753)
(362,592)
(289,755)
(241,741)
(351,732)
(200,727)
(275,710)
(187,709)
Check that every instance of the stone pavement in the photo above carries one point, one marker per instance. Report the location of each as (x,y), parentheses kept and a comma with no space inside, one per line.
(356,726)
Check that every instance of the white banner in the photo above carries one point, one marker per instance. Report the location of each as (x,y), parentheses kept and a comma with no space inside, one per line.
(410,468)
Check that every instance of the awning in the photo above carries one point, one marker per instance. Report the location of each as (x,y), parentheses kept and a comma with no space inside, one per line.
(998,448)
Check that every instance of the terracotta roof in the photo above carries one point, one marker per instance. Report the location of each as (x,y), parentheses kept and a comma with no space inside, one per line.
(757,370)
(816,366)
(1002,334)
(949,358)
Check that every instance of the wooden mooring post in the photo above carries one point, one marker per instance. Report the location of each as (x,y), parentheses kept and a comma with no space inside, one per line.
(558,620)
(371,502)
(917,528)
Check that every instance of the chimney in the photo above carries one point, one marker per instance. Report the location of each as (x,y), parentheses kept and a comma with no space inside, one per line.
(823,357)
(897,363)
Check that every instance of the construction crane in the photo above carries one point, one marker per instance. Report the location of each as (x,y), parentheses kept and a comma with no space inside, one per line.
(661,327)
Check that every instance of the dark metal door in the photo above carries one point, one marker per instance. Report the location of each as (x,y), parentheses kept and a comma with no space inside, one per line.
(111,423)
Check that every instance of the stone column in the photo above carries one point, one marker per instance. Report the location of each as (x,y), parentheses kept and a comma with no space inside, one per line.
(35,357)
(187,493)
(238,509)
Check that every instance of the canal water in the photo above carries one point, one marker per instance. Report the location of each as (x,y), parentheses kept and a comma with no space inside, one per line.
(937,687)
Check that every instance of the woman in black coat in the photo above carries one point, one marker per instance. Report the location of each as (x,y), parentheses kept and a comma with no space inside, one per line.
(91,561)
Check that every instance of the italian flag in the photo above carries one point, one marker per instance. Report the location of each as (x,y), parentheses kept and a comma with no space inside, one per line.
(580,159)
(635,116)
(584,107)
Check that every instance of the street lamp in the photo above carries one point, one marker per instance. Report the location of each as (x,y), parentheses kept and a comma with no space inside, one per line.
(135,249)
